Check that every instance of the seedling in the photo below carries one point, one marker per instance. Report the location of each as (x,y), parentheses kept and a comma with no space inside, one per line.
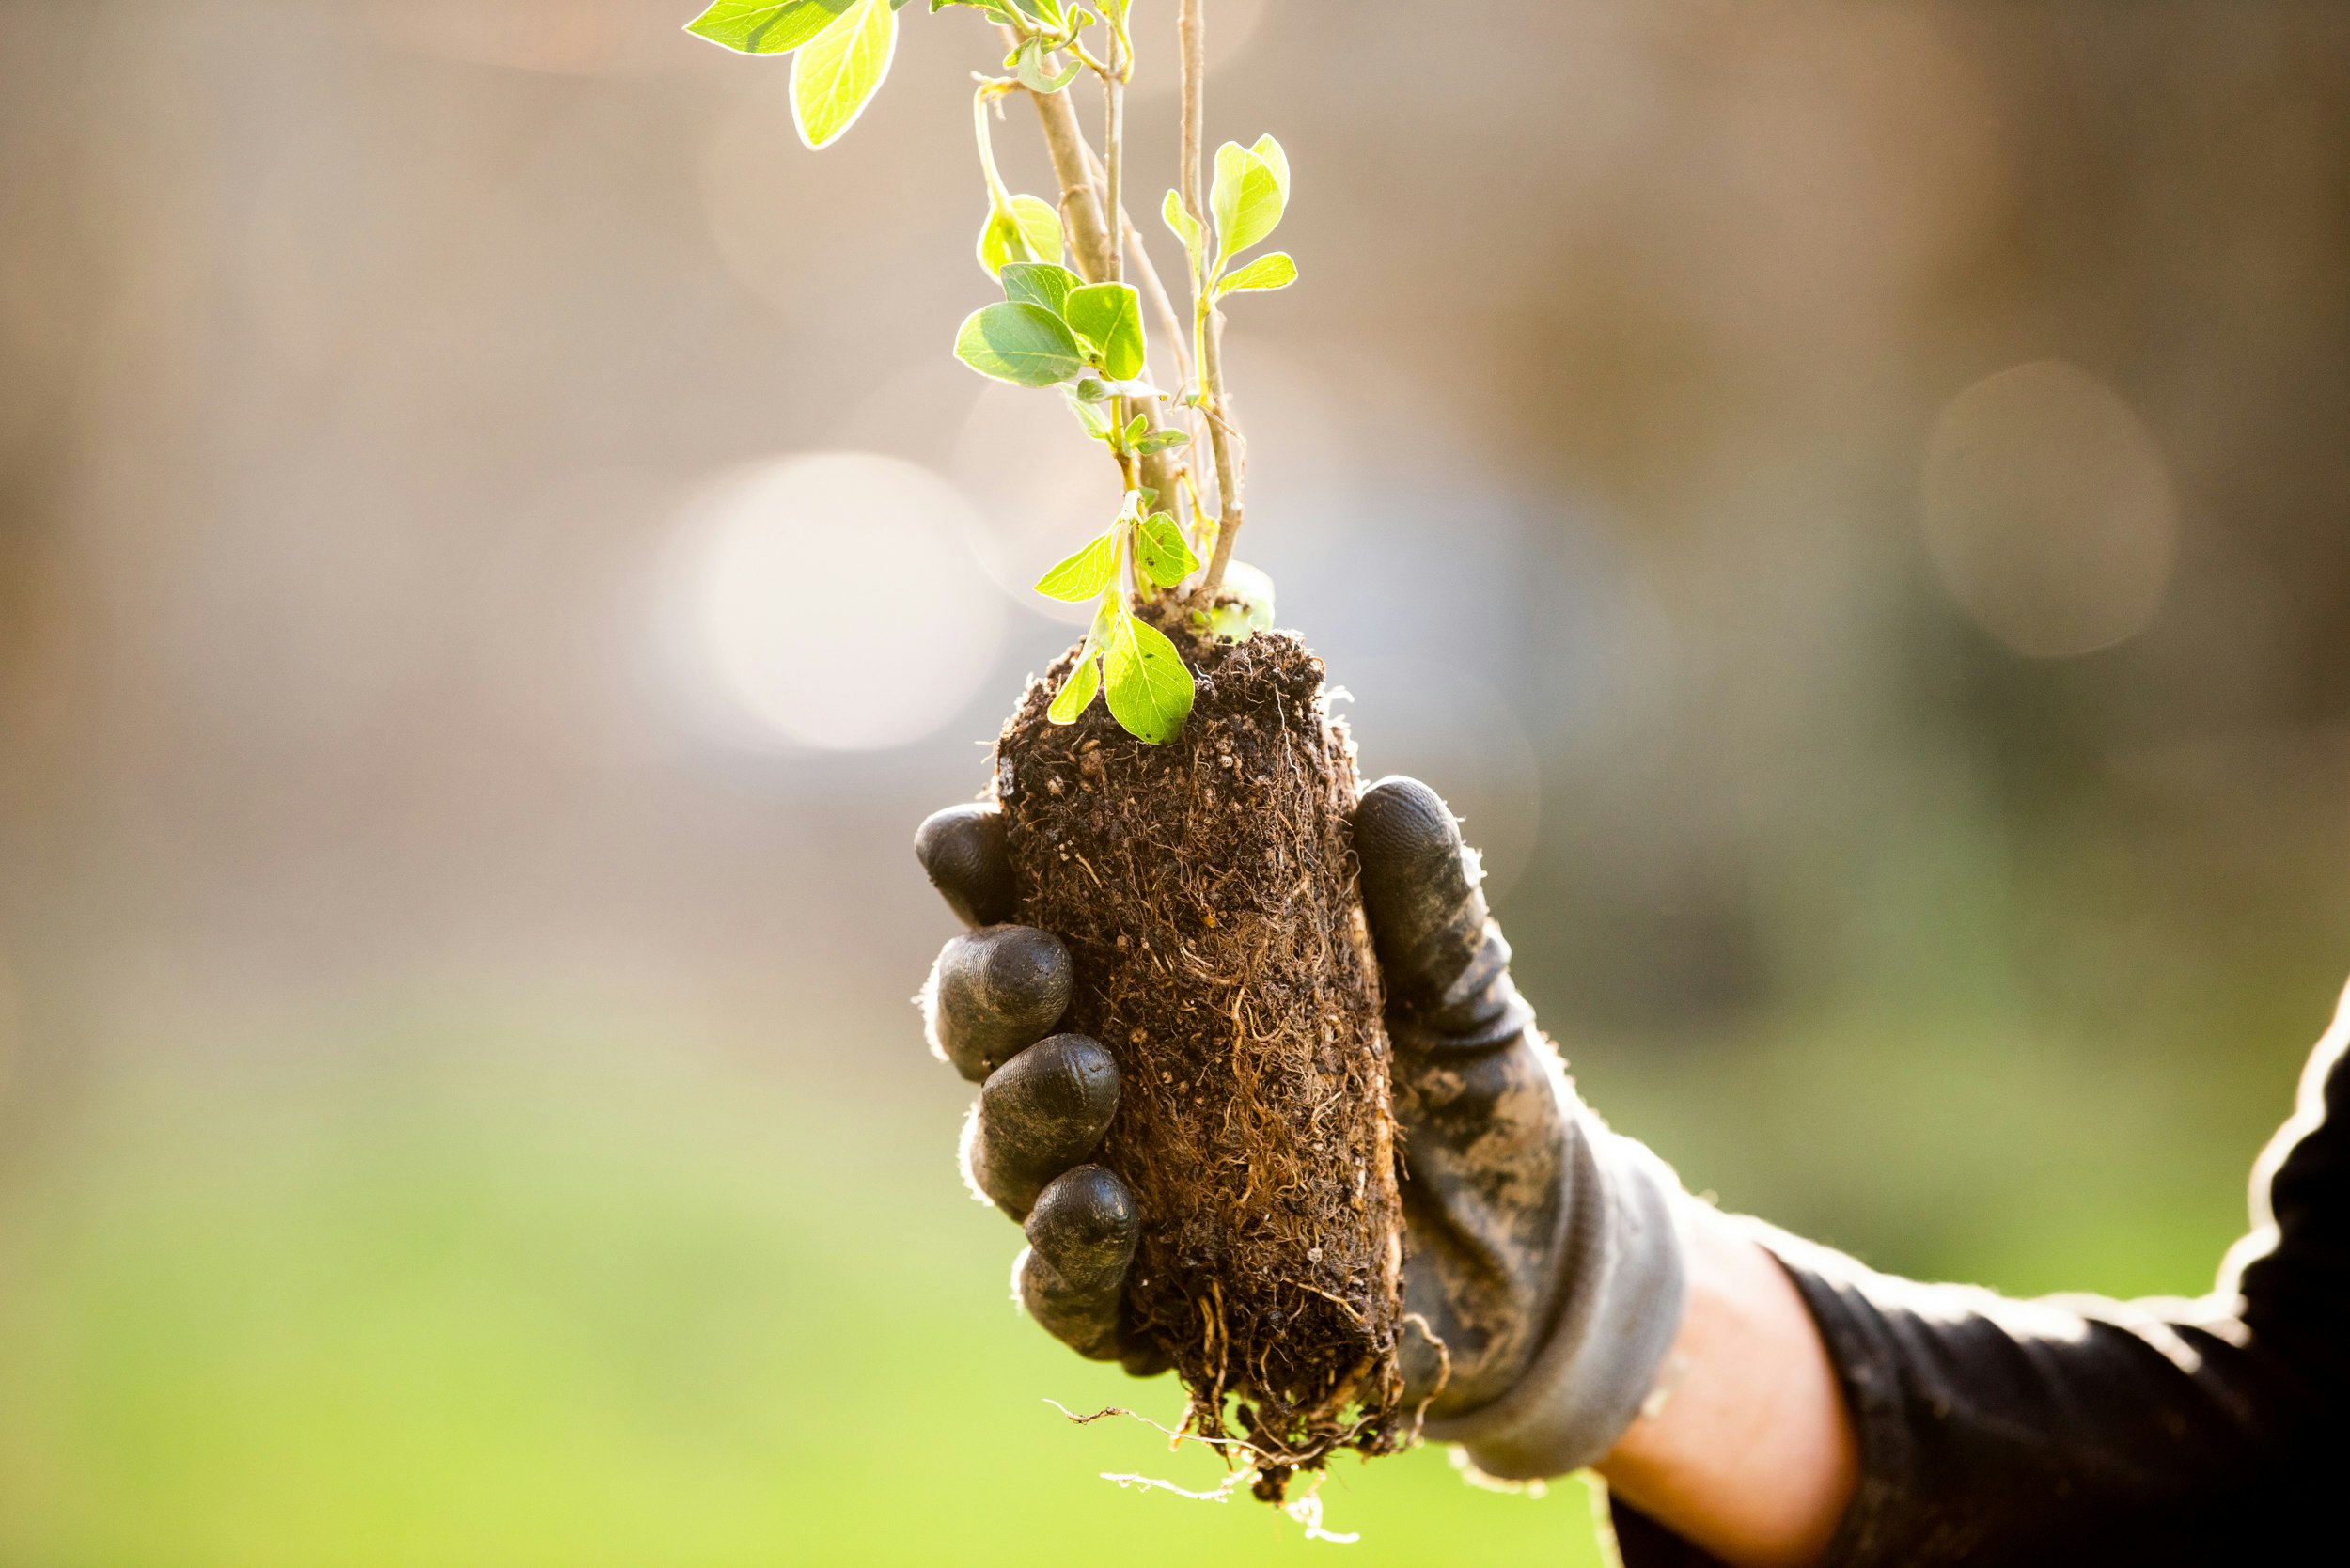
(1079,330)
(1193,849)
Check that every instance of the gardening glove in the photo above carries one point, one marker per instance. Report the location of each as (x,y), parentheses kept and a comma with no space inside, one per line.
(1543,1278)
(1045,1099)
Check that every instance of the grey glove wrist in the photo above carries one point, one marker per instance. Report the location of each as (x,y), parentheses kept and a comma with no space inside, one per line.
(1617,1297)
(1543,1253)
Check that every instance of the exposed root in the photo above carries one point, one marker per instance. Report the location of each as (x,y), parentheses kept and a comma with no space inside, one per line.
(1307,1511)
(1418,1324)
(1177,1437)
(1483,1483)
(1223,1493)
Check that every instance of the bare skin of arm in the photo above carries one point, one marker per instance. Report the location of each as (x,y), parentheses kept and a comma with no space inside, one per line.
(1750,1452)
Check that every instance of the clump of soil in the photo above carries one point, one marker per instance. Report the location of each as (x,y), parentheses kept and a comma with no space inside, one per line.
(1207,890)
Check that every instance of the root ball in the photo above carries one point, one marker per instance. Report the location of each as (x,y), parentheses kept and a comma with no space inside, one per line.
(1208,896)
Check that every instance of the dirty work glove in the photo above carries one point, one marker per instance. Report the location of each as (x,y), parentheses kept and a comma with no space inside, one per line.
(1542,1253)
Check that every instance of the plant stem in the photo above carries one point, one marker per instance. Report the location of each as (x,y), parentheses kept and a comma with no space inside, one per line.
(1099,257)
(1161,306)
(1081,208)
(989,91)
(1114,167)
(1089,235)
(1192,33)
(1221,440)
(1114,158)
(1146,278)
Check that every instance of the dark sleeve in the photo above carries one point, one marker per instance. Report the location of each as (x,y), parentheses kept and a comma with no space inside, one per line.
(2079,1430)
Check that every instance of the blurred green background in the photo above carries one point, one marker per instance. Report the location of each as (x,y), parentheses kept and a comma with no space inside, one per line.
(1848,501)
(507,1286)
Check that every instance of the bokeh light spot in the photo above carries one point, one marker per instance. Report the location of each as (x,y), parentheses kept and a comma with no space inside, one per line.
(2048,509)
(834,600)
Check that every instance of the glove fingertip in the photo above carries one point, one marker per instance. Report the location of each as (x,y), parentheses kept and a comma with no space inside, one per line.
(1082,1235)
(1405,833)
(1085,1224)
(963,850)
(1419,887)
(993,993)
(1038,1115)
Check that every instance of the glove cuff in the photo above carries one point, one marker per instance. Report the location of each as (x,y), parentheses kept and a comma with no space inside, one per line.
(1617,1303)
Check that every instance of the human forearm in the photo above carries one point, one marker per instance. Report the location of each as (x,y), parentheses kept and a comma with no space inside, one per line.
(1745,1449)
(1815,1410)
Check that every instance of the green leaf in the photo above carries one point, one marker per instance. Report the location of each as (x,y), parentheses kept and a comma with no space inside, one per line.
(1108,315)
(1023,344)
(1179,220)
(1245,603)
(1161,441)
(1089,414)
(1275,160)
(1162,552)
(1084,574)
(1150,691)
(1272,271)
(1095,390)
(1248,198)
(1044,283)
(1029,232)
(833,75)
(1076,693)
(1137,427)
(765,26)
(1028,62)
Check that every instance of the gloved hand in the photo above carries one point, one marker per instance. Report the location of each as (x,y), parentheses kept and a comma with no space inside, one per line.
(1542,1253)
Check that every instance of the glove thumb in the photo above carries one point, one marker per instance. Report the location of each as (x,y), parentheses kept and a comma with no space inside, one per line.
(1438,945)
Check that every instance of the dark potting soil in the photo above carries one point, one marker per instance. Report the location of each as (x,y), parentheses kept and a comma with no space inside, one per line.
(1207,890)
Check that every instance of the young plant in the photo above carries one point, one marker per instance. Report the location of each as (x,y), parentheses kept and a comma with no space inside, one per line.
(1201,881)
(1080,330)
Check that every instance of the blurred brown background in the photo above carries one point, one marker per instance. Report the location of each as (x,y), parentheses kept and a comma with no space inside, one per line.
(1847,499)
